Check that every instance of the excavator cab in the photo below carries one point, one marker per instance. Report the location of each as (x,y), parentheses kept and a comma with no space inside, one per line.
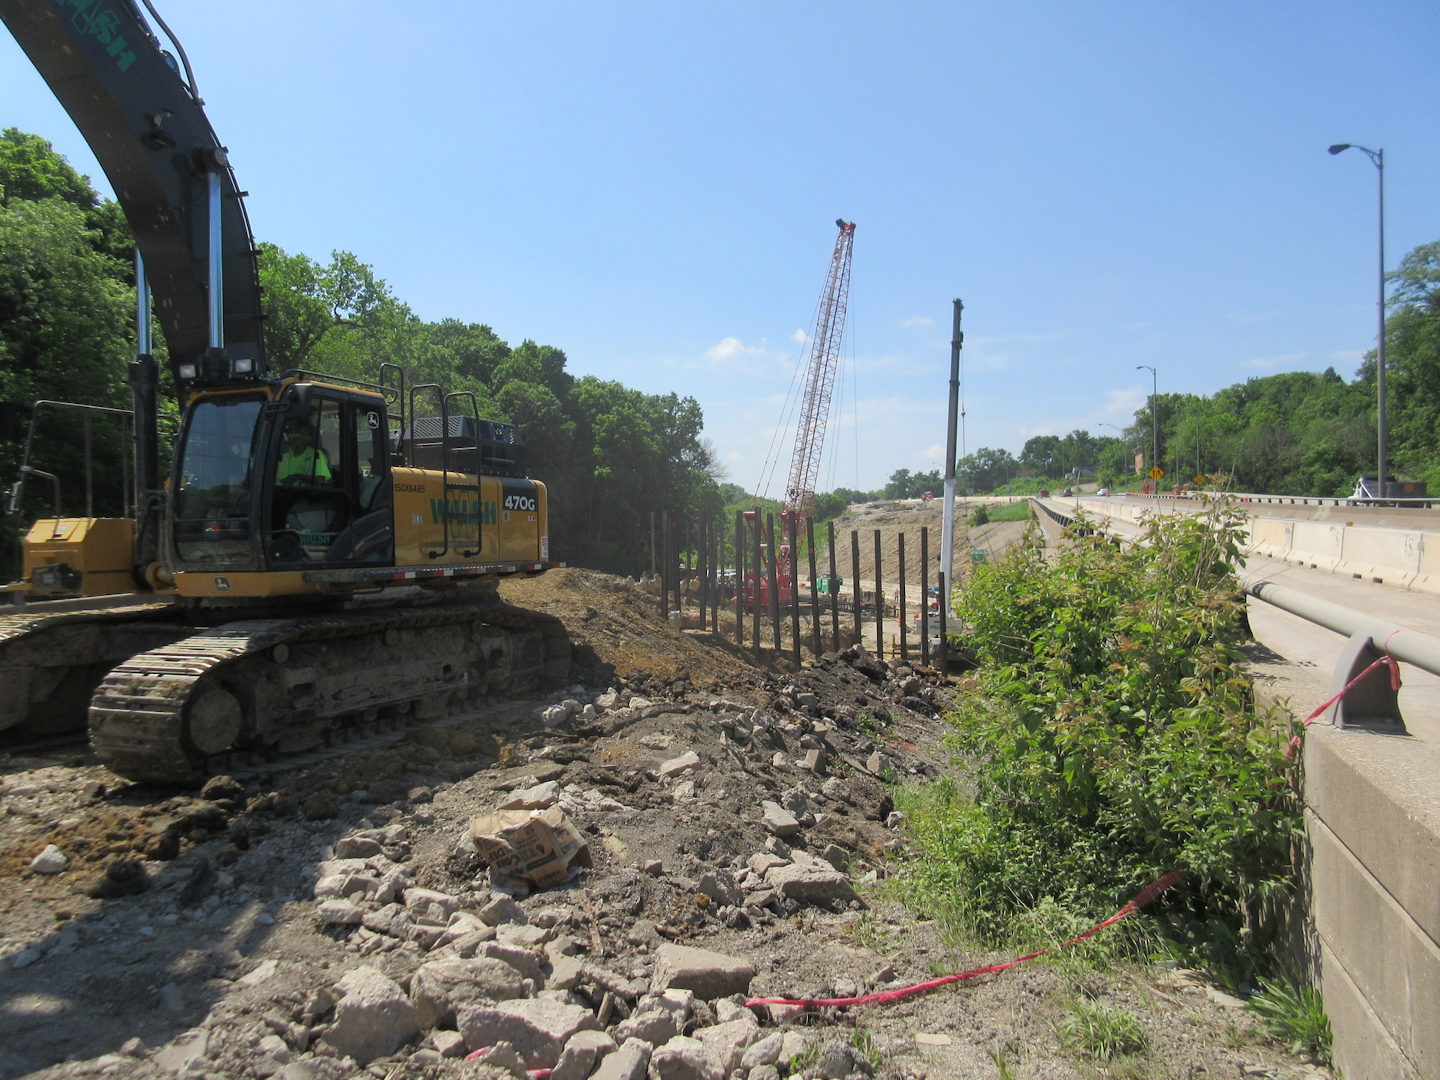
(299,481)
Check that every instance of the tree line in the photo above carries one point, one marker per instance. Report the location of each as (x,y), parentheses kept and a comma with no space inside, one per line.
(608,454)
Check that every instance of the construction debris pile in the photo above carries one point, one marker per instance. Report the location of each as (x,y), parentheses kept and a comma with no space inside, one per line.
(592,884)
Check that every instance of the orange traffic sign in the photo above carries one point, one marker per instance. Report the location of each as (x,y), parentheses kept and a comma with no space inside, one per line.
(1156,473)
(1199,478)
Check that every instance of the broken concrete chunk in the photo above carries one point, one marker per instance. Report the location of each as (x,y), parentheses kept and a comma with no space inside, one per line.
(503,1057)
(630,1062)
(677,765)
(503,909)
(373,1018)
(684,1058)
(719,885)
(765,1051)
(537,1028)
(440,988)
(582,1053)
(522,960)
(881,765)
(420,900)
(539,797)
(524,937)
(338,913)
(729,1041)
(708,974)
(357,847)
(812,882)
(777,819)
(449,1044)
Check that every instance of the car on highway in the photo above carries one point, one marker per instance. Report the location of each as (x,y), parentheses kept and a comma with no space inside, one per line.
(1103,491)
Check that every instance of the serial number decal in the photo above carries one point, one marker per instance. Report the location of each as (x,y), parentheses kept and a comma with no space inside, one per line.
(418,489)
(519,502)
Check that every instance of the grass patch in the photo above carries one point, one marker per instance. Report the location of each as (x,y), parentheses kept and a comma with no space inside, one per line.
(1103,1031)
(1112,738)
(1011,512)
(1294,1014)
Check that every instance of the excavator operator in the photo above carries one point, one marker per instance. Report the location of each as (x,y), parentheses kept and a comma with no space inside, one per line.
(303,464)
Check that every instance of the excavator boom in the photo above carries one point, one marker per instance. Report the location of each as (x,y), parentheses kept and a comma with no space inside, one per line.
(148,129)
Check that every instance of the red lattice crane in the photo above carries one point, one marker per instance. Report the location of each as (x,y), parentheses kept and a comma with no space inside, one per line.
(816,392)
(820,377)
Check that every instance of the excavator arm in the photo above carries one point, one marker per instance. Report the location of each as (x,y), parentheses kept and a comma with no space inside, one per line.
(147,127)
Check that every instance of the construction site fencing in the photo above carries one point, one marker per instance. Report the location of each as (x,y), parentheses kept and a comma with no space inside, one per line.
(766,591)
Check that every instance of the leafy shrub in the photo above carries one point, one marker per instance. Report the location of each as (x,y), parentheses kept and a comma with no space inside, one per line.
(1113,738)
(980,516)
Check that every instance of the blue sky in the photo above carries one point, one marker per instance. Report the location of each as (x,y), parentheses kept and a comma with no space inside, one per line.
(653,188)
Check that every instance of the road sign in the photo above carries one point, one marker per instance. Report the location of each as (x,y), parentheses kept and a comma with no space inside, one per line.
(1156,473)
(1199,478)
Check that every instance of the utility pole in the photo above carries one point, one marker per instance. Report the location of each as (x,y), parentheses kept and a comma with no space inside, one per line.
(1377,158)
(947,528)
(1154,417)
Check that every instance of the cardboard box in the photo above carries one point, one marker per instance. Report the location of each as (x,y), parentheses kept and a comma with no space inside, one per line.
(537,845)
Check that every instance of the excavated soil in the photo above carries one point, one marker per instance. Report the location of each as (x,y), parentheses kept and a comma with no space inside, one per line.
(183,937)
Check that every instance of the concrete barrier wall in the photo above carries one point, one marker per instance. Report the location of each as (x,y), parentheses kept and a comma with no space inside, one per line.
(1388,555)
(1408,558)
(1373,818)
(1271,537)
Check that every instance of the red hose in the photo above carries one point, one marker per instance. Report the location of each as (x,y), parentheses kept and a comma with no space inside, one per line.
(884,997)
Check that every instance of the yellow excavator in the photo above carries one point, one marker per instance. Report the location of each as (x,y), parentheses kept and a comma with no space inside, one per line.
(322,561)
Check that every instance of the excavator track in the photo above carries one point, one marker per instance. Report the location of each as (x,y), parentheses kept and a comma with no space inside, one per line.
(263,689)
(51,658)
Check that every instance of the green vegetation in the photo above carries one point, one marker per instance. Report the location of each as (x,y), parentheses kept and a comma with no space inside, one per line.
(1103,1031)
(1294,1014)
(1113,737)
(1016,511)
(979,516)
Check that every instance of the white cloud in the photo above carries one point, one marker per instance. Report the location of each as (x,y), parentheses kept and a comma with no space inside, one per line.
(930,453)
(1353,356)
(731,347)
(917,320)
(735,455)
(1125,402)
(1270,363)
(798,337)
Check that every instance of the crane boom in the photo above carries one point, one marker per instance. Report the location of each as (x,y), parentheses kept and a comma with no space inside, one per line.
(820,376)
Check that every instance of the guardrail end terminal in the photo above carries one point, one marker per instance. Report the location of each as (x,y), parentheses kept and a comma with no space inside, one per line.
(1372,704)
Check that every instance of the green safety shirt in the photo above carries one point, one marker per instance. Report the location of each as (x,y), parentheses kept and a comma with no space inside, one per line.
(308,463)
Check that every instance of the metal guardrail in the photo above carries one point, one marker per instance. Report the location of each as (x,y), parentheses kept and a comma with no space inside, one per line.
(1409,646)
(1372,703)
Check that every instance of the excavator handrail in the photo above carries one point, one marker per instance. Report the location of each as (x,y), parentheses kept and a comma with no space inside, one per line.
(386,392)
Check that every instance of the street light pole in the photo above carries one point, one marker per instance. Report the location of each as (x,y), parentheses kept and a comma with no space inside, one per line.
(1154,416)
(1377,158)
